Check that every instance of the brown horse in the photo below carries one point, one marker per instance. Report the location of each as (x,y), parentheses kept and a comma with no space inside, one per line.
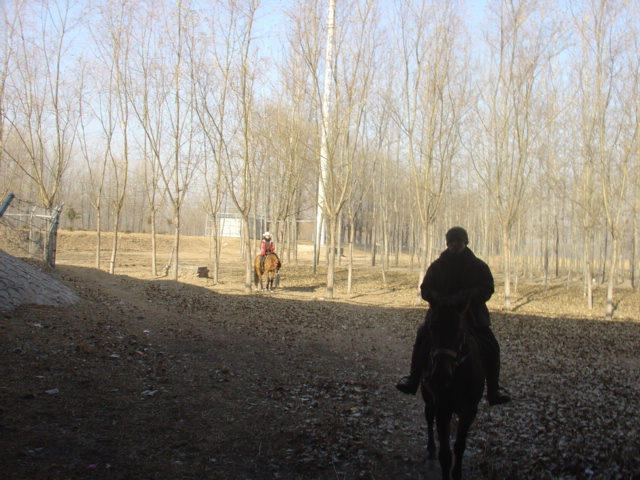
(272,266)
(453,383)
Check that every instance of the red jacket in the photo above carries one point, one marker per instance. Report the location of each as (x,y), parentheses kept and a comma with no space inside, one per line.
(267,246)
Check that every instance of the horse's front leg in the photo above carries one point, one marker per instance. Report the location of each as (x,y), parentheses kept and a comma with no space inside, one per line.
(431,442)
(443,421)
(464,424)
(429,415)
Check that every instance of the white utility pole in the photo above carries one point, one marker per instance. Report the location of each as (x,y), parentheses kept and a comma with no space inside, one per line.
(324,148)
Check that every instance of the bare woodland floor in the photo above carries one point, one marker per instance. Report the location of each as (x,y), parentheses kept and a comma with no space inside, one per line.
(147,378)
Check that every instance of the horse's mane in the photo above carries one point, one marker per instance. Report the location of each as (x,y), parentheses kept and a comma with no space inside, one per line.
(447,316)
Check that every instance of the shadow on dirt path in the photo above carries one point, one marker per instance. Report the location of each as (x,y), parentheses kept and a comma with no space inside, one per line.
(150,378)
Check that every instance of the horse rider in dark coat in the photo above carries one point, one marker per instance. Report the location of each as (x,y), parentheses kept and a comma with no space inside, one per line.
(458,277)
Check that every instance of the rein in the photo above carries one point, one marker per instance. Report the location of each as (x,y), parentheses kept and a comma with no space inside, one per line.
(444,351)
(452,353)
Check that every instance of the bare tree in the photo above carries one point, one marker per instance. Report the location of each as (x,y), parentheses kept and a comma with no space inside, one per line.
(8,20)
(213,101)
(303,89)
(373,166)
(39,110)
(287,139)
(635,180)
(618,122)
(302,79)
(365,164)
(238,57)
(113,40)
(344,117)
(147,92)
(178,170)
(432,96)
(523,44)
(608,133)
(96,164)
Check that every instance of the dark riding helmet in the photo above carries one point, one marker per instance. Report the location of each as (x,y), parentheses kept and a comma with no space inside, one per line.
(457,234)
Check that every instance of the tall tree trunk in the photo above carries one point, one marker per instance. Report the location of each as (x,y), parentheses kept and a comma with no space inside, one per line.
(506,245)
(114,250)
(333,227)
(154,246)
(424,259)
(324,140)
(352,236)
(612,277)
(633,262)
(98,239)
(588,284)
(176,242)
(248,251)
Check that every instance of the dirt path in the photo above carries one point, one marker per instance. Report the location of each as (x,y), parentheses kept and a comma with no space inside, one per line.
(148,378)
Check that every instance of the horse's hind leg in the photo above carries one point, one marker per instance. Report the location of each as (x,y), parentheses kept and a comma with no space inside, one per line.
(257,277)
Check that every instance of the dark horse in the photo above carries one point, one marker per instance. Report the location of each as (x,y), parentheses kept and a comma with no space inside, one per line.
(271,268)
(453,383)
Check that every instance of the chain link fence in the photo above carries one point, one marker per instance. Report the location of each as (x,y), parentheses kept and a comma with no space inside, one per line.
(29,230)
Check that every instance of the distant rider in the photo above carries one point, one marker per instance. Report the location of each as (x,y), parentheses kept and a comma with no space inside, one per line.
(266,247)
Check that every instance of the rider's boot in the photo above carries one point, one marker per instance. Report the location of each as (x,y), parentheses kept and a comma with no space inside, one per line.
(495,394)
(410,384)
